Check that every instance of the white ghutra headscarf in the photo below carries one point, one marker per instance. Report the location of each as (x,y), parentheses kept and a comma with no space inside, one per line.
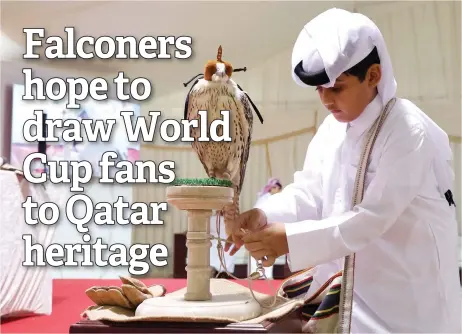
(335,41)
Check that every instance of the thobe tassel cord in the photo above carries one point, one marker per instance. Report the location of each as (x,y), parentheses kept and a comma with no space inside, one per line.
(260,273)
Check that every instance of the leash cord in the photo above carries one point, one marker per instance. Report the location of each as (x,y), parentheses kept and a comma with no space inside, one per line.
(259,273)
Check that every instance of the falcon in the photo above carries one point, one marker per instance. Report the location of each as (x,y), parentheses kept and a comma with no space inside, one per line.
(214,91)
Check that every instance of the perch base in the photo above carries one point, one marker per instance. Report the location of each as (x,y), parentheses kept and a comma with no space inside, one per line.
(240,306)
(290,323)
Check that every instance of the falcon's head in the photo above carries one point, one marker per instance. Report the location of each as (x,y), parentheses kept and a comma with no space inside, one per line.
(218,70)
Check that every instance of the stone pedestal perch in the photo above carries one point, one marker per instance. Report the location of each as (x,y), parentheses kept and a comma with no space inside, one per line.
(204,297)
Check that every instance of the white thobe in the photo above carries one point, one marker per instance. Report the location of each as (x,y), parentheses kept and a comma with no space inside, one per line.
(404,232)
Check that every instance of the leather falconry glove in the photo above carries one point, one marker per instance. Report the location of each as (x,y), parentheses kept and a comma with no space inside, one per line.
(129,295)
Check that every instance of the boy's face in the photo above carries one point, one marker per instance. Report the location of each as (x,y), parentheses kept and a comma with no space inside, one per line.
(348,98)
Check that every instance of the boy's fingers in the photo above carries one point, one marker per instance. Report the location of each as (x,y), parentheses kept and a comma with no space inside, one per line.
(234,241)
(253,237)
(268,261)
(228,243)
(237,240)
(242,221)
(254,246)
(234,250)
(259,254)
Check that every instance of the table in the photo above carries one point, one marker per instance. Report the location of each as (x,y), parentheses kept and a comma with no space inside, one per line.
(290,323)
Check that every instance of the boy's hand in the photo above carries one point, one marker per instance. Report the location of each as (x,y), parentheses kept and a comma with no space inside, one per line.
(252,220)
(270,242)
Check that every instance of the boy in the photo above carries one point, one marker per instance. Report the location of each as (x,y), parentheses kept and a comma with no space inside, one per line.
(404,232)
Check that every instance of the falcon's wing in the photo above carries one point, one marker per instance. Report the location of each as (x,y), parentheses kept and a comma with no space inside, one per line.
(191,109)
(186,102)
(246,102)
(246,143)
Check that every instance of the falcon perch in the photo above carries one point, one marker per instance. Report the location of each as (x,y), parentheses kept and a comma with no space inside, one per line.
(214,92)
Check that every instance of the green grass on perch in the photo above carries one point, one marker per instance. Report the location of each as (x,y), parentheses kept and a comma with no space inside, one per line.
(202,182)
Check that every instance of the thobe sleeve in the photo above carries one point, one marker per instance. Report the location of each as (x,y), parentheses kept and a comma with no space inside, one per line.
(404,162)
(302,198)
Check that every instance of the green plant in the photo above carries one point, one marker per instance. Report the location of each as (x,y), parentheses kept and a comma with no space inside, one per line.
(202,182)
